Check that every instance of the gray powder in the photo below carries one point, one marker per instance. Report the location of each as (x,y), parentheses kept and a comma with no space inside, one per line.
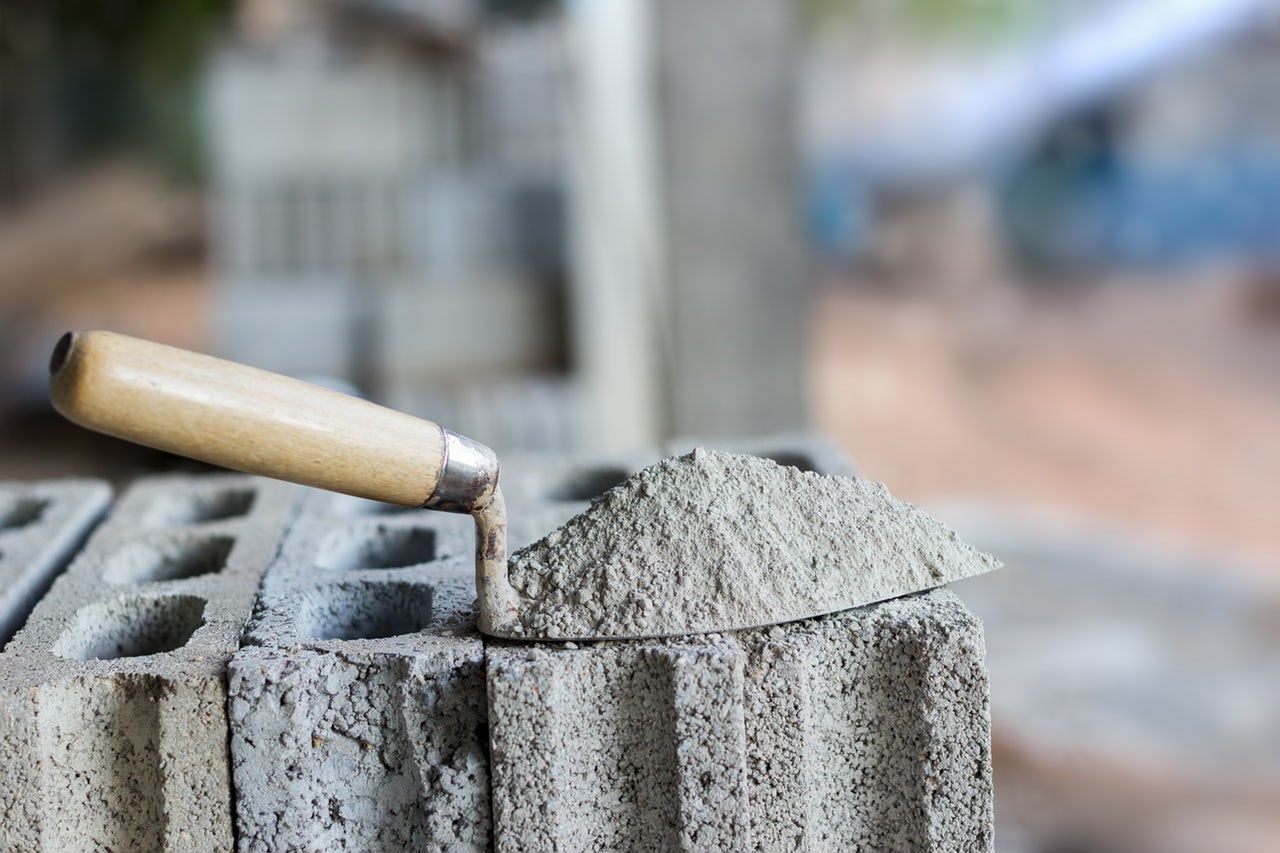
(713,541)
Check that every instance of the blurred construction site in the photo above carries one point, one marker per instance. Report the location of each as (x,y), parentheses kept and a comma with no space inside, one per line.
(1020,259)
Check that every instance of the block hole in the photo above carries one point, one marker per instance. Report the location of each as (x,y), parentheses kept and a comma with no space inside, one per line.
(588,485)
(21,511)
(791,460)
(131,627)
(198,507)
(168,559)
(365,612)
(377,548)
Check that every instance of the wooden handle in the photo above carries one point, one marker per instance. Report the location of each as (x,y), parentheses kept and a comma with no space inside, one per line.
(244,418)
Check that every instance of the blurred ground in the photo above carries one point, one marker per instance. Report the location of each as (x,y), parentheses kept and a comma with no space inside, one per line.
(113,244)
(1139,406)
(1135,692)
(112,247)
(1114,446)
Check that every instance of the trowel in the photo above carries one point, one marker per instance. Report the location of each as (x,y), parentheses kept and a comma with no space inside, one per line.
(250,420)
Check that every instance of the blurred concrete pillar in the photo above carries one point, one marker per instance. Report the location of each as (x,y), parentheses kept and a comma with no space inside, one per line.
(688,246)
(616,251)
(731,205)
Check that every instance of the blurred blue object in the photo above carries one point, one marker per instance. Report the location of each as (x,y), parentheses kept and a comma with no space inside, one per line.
(837,210)
(1071,213)
(1045,125)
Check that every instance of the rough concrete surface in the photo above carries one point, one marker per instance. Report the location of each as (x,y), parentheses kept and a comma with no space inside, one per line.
(364,712)
(112,697)
(867,729)
(358,703)
(41,527)
(714,540)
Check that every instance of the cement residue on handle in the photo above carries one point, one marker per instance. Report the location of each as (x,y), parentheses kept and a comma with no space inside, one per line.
(712,541)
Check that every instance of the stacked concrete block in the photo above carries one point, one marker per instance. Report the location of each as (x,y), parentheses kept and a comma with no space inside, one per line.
(365,711)
(42,525)
(112,697)
(590,751)
(867,729)
(864,729)
(358,703)
(871,728)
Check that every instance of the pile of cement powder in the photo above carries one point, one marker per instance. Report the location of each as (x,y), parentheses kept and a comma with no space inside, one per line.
(712,541)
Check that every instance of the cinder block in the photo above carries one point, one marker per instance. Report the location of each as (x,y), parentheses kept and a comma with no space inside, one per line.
(358,704)
(889,729)
(618,746)
(867,729)
(112,697)
(42,525)
(366,713)
(803,449)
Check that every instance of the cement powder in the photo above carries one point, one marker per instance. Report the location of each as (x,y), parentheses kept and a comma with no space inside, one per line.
(714,541)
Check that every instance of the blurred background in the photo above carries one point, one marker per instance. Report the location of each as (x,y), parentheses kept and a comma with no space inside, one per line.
(1019,258)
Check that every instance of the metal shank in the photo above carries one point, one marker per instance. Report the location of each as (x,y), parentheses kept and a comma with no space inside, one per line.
(468,476)
(499,604)
(469,483)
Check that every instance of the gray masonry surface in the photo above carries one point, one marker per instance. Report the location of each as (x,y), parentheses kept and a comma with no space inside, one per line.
(867,729)
(734,251)
(41,527)
(357,705)
(364,712)
(112,697)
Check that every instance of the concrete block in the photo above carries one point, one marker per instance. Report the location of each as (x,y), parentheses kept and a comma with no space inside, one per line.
(42,525)
(889,722)
(689,262)
(803,449)
(112,697)
(590,752)
(365,712)
(867,729)
(357,706)
(734,249)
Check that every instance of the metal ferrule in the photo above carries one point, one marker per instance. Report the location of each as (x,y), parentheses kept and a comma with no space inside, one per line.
(467,478)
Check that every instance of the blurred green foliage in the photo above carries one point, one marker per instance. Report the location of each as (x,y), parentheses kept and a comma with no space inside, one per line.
(118,76)
(981,19)
(971,21)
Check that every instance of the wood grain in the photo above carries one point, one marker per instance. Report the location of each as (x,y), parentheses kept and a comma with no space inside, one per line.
(244,418)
